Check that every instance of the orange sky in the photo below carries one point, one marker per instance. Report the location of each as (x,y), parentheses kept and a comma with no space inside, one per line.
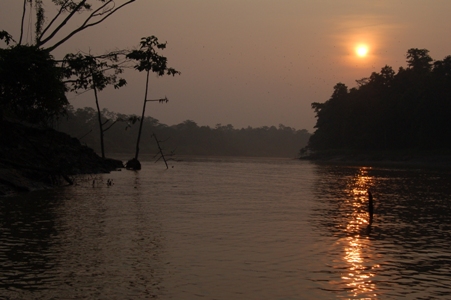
(255,62)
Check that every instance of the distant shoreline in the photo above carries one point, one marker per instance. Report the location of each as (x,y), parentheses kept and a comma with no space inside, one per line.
(383,158)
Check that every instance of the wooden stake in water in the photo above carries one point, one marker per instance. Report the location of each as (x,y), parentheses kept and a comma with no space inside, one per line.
(370,206)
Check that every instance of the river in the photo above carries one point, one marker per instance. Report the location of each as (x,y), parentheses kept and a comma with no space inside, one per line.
(232,228)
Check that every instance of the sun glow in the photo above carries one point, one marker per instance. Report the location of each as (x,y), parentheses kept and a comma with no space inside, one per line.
(361,50)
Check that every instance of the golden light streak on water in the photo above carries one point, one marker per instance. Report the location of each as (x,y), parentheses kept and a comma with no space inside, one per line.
(357,246)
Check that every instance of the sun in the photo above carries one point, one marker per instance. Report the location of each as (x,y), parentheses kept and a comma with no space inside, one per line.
(361,50)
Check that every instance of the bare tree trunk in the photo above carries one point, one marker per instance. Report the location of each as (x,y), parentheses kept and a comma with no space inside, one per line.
(23,20)
(142,116)
(99,116)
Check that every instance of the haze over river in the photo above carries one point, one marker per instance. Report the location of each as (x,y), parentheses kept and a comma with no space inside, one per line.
(232,228)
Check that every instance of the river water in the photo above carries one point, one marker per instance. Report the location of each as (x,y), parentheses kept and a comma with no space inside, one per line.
(232,228)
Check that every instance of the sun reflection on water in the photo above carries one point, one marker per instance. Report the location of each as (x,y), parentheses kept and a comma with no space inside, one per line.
(358,253)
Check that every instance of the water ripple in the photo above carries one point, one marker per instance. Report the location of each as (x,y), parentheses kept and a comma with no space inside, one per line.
(232,229)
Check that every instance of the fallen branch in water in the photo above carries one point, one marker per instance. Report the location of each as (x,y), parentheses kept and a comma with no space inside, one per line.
(161,153)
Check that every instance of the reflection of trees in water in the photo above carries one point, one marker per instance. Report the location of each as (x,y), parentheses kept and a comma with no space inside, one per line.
(115,241)
(148,240)
(27,228)
(411,230)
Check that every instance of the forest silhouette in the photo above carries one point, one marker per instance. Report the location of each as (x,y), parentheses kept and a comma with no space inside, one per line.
(410,109)
(186,138)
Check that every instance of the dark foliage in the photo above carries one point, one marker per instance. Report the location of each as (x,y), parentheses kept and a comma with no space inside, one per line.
(186,138)
(5,36)
(30,85)
(410,109)
(149,60)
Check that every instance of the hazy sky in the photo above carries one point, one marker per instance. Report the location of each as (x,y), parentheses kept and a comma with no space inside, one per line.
(255,62)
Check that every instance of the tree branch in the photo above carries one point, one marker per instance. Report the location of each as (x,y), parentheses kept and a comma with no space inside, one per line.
(63,7)
(110,126)
(85,24)
(63,23)
(160,150)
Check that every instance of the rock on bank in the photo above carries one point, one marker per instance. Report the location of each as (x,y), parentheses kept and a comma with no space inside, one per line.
(35,158)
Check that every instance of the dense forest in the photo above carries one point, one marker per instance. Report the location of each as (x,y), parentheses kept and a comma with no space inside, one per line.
(410,109)
(34,87)
(186,138)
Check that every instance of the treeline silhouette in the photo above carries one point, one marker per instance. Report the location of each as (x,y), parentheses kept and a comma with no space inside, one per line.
(410,109)
(186,138)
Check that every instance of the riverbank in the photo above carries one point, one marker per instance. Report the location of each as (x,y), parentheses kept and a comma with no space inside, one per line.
(34,158)
(435,159)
